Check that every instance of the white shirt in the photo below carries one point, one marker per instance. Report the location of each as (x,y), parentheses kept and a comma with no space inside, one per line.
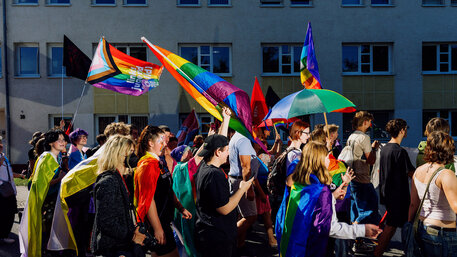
(341,230)
(4,173)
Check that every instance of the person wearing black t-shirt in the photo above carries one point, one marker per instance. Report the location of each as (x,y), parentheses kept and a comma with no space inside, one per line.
(215,228)
(395,167)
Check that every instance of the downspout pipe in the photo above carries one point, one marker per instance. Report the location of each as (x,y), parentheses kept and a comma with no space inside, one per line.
(7,91)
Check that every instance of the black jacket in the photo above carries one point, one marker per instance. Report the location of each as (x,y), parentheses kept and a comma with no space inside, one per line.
(113,226)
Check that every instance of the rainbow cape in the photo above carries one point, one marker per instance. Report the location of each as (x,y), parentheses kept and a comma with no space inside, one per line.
(309,71)
(30,229)
(112,69)
(182,186)
(83,175)
(209,90)
(303,222)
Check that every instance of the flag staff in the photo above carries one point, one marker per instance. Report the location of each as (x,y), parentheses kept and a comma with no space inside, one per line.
(77,108)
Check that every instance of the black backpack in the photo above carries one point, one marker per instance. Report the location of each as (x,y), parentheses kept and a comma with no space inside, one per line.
(276,180)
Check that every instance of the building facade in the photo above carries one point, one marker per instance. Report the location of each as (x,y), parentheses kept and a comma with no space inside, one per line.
(396,59)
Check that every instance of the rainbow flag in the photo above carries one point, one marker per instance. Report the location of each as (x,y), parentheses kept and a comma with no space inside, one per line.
(209,90)
(309,71)
(30,229)
(112,69)
(303,222)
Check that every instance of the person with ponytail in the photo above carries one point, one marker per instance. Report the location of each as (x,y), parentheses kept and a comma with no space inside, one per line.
(154,195)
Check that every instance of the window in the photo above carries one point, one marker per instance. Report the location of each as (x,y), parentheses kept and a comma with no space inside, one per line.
(58,2)
(189,2)
(213,58)
(55,121)
(432,2)
(27,61)
(104,2)
(351,2)
(26,2)
(138,51)
(377,131)
(301,2)
(441,58)
(454,2)
(366,59)
(281,59)
(134,2)
(218,2)
(381,2)
(140,121)
(449,115)
(205,120)
(55,61)
(270,2)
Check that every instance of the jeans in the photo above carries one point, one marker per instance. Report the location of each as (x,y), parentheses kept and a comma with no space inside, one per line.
(437,242)
(364,203)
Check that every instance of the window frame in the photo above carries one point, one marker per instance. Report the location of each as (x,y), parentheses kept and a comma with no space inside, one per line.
(390,3)
(453,3)
(17,65)
(49,59)
(433,5)
(16,2)
(439,113)
(67,118)
(347,117)
(361,4)
(178,3)
(124,3)
(94,3)
(211,65)
(228,4)
(271,3)
(302,5)
(116,119)
(48,3)
(438,58)
(280,73)
(359,72)
(128,46)
(200,116)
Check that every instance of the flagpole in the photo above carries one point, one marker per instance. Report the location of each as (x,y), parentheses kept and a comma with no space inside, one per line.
(62,92)
(326,124)
(77,107)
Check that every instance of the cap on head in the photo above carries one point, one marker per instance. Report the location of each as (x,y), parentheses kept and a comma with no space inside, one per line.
(212,143)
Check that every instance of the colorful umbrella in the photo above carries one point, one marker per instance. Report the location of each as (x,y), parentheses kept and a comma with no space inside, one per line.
(310,101)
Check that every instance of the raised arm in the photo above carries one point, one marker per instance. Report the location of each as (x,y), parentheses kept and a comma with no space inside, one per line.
(226,113)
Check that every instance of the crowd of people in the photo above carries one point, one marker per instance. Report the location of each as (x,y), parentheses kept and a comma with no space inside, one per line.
(140,190)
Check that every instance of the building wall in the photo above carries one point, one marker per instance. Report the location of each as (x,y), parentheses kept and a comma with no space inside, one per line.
(245,26)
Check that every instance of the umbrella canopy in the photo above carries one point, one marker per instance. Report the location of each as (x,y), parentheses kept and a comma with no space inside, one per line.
(310,101)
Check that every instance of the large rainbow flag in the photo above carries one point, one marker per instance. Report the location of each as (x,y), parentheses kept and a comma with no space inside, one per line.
(209,90)
(112,69)
(30,229)
(303,222)
(309,71)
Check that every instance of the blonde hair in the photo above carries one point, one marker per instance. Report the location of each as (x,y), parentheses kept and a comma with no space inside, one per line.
(115,150)
(312,162)
(117,128)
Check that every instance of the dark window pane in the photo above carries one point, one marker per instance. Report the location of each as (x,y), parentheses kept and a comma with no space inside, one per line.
(103,122)
(139,52)
(105,1)
(123,118)
(188,2)
(355,2)
(366,68)
(27,1)
(365,59)
(444,48)
(204,60)
(444,57)
(57,59)
(270,2)
(286,59)
(350,59)
(190,54)
(28,60)
(139,121)
(426,116)
(67,120)
(380,121)
(122,49)
(380,58)
(219,2)
(206,67)
(297,55)
(432,1)
(453,124)
(347,125)
(428,58)
(444,114)
(204,49)
(59,1)
(454,57)
(299,2)
(286,69)
(270,59)
(365,49)
(454,2)
(135,1)
(380,2)
(285,49)
(444,67)
(221,60)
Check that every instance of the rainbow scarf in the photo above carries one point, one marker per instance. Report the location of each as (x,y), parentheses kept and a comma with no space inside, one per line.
(303,219)
(209,90)
(309,71)
(30,229)
(112,69)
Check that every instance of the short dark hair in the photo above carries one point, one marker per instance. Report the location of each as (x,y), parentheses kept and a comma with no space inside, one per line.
(440,148)
(393,127)
(52,136)
(101,138)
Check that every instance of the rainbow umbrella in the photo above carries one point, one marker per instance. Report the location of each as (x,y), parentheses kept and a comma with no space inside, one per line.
(310,101)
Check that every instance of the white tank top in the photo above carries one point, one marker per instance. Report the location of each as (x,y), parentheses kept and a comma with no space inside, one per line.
(435,204)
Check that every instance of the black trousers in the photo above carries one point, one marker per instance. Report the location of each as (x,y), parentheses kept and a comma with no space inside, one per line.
(9,209)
